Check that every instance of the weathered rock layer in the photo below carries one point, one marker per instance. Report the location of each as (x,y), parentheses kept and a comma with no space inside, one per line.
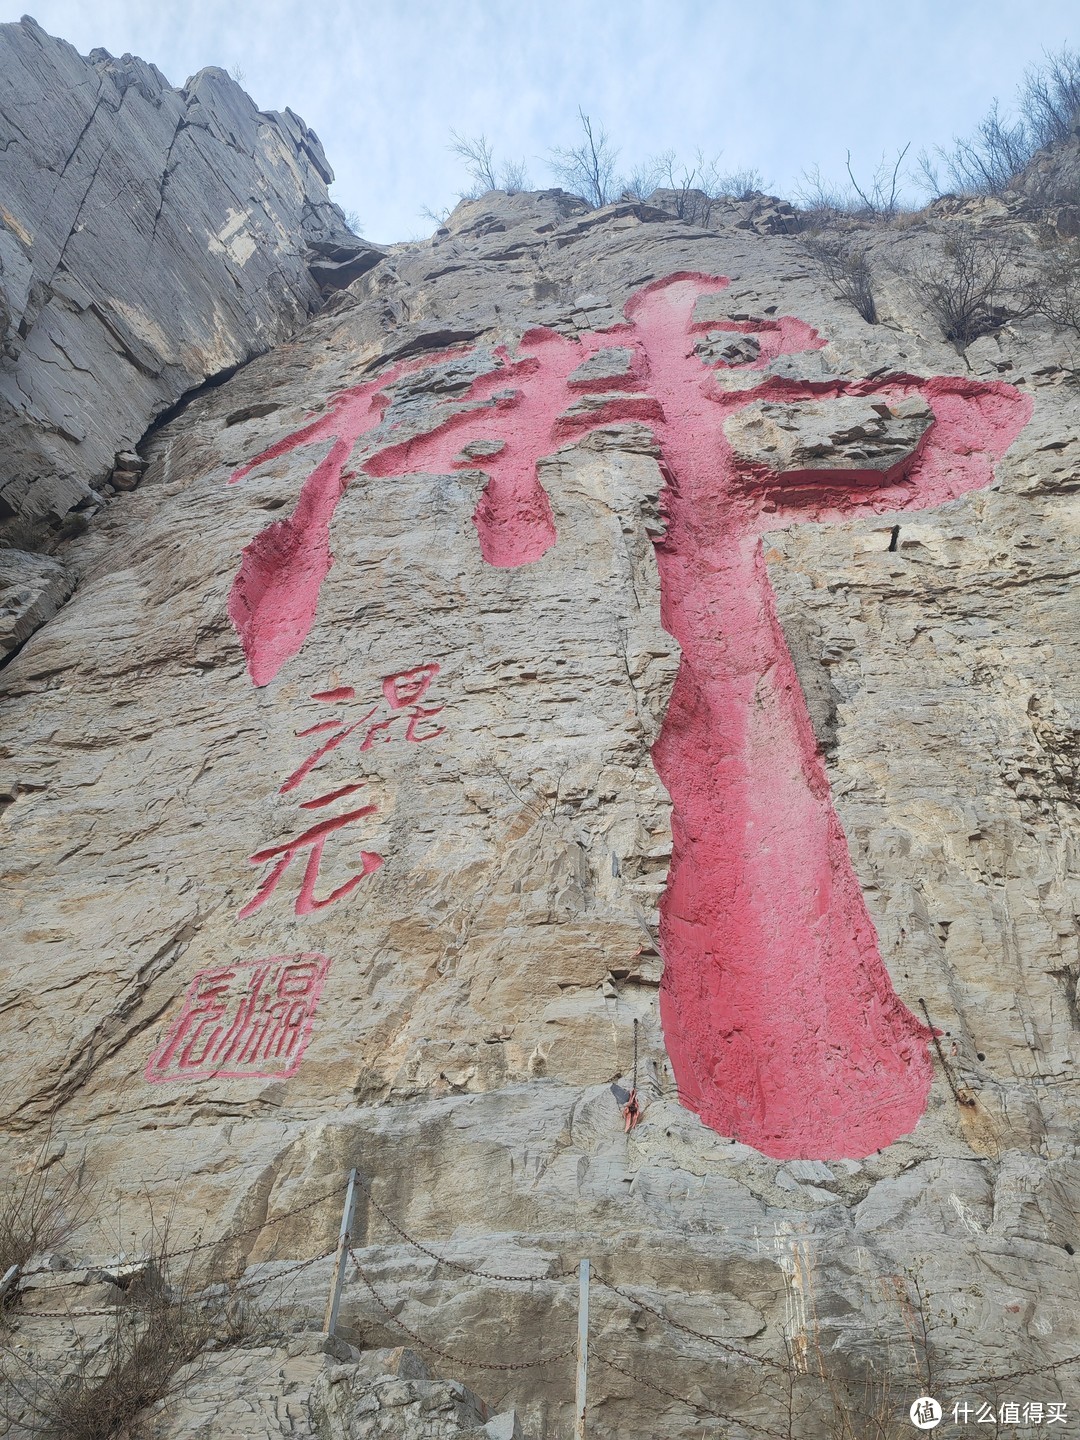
(149,238)
(586,653)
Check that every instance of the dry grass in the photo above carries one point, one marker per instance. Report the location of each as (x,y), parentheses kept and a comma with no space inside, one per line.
(108,1388)
(163,1321)
(40,1208)
(108,1384)
(847,267)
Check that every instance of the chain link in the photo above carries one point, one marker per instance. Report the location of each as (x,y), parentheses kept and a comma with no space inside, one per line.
(456,1264)
(562,1275)
(244,1286)
(82,1314)
(967,1100)
(255,1229)
(682,1400)
(455,1360)
(134,1308)
(688,1329)
(70,1315)
(1021,1374)
(261,1282)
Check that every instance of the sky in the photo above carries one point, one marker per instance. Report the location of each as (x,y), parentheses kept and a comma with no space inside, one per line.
(780,87)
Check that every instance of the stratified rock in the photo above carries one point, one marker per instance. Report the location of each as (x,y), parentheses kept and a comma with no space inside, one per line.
(149,238)
(335,264)
(316,1387)
(32,589)
(720,347)
(339,833)
(764,214)
(868,435)
(1047,190)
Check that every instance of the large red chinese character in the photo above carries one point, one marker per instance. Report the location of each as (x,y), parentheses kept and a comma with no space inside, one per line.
(779,1015)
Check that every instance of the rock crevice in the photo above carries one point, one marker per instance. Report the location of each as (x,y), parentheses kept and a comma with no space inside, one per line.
(150,237)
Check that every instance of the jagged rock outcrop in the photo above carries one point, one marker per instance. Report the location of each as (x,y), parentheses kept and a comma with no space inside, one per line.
(32,589)
(149,238)
(1047,190)
(587,653)
(764,214)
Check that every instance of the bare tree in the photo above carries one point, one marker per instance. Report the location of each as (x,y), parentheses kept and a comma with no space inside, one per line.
(682,185)
(1054,288)
(589,167)
(820,199)
(691,186)
(1050,98)
(693,189)
(737,184)
(929,175)
(479,157)
(514,177)
(989,160)
(643,179)
(878,202)
(878,198)
(847,266)
(970,286)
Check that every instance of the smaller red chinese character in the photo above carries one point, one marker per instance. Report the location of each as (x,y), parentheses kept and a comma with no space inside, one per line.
(408,686)
(402,691)
(246,1020)
(313,840)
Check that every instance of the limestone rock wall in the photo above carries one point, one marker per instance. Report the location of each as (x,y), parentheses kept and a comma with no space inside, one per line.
(150,237)
(372,779)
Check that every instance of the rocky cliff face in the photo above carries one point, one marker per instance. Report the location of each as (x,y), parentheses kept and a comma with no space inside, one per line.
(588,658)
(149,238)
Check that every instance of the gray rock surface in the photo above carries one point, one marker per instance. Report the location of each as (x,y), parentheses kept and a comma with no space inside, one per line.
(32,589)
(483,986)
(150,237)
(266,1385)
(839,434)
(263,1392)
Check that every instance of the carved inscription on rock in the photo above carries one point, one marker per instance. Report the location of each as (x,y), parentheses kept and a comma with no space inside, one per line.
(244,1020)
(376,725)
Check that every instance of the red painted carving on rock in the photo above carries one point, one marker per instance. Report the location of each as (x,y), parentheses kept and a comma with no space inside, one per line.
(242,1021)
(780,1019)
(519,404)
(312,843)
(401,691)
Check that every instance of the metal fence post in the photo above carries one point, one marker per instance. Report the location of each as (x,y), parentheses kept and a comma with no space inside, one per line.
(582,1350)
(338,1283)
